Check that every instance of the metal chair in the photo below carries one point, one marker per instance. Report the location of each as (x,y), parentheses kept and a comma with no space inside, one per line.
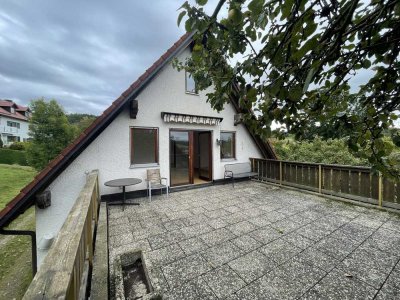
(154,182)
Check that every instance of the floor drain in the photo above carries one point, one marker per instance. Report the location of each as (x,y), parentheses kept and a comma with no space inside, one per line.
(135,282)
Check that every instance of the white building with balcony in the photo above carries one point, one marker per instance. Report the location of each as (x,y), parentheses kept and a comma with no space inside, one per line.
(14,122)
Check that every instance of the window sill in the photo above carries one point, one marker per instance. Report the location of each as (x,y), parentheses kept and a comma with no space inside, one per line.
(191,93)
(140,166)
(228,159)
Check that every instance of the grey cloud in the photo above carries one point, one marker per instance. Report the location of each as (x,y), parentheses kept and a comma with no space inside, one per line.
(82,53)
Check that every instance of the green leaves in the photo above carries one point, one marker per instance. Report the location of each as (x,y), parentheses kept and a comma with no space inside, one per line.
(201,2)
(299,66)
(256,6)
(180,17)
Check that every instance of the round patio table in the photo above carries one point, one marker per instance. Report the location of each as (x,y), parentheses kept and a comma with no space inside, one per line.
(123,182)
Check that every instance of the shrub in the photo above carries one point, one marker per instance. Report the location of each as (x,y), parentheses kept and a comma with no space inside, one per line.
(11,157)
(17,146)
(1,143)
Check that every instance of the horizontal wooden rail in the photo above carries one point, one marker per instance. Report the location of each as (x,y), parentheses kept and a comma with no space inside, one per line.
(64,270)
(356,183)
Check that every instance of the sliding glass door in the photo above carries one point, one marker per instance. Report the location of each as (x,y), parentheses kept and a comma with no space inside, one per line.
(180,164)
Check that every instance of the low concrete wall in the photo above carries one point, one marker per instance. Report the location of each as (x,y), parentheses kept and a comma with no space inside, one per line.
(99,287)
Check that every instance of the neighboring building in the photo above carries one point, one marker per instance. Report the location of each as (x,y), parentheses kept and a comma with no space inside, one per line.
(14,122)
(160,121)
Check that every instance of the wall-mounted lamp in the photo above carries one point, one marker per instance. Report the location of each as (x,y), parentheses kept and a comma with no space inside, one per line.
(219,142)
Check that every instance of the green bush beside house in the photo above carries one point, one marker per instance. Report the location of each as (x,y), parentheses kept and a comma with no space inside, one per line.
(13,157)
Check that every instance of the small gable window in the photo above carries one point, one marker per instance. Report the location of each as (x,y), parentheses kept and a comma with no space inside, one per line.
(144,146)
(228,145)
(190,84)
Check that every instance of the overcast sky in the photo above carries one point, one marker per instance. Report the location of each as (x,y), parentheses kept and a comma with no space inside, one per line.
(82,53)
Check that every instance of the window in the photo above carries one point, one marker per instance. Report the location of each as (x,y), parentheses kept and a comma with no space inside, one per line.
(13,139)
(227,145)
(190,84)
(144,146)
(13,124)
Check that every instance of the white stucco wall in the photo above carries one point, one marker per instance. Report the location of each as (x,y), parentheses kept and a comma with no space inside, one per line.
(5,130)
(110,151)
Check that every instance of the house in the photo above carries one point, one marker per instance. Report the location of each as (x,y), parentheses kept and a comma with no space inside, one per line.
(160,121)
(14,122)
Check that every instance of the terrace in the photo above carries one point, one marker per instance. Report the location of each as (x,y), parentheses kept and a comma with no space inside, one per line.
(256,241)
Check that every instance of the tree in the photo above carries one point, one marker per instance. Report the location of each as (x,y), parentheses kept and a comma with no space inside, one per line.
(331,151)
(81,121)
(50,132)
(290,61)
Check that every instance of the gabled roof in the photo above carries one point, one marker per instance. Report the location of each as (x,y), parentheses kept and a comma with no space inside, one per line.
(27,195)
(18,109)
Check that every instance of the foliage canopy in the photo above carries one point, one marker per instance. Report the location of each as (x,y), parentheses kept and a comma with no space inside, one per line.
(290,61)
(50,132)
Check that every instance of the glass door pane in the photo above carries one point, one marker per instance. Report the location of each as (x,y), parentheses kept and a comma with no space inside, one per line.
(179,154)
(205,155)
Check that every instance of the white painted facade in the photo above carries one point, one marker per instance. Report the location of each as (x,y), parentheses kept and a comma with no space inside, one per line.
(8,134)
(110,151)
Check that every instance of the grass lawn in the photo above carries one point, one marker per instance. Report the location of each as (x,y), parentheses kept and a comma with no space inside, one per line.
(15,251)
(12,179)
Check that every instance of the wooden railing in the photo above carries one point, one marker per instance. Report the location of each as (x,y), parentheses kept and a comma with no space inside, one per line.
(356,183)
(64,271)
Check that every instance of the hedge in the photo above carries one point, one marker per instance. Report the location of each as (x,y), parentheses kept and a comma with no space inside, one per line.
(11,157)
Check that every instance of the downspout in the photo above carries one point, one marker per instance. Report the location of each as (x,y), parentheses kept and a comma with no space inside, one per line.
(32,234)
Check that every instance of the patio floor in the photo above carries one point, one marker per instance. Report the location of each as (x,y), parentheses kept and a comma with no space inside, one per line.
(257,241)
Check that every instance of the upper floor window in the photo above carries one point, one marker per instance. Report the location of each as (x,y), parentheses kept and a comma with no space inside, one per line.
(144,145)
(13,124)
(228,145)
(190,84)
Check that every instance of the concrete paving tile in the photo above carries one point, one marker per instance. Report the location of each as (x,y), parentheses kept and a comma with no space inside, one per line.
(121,239)
(260,221)
(197,210)
(196,219)
(235,218)
(297,271)
(233,209)
(221,254)
(392,224)
(318,259)
(192,245)
(253,212)
(271,287)
(246,243)
(139,245)
(196,230)
(252,265)
(266,235)
(366,273)
(279,251)
(394,279)
(157,280)
(193,290)
(223,281)
(217,223)
(298,240)
(241,228)
(185,269)
(385,240)
(173,225)
(217,236)
(165,255)
(336,285)
(336,248)
(353,231)
(388,291)
(300,219)
(165,239)
(218,213)
(274,216)
(285,226)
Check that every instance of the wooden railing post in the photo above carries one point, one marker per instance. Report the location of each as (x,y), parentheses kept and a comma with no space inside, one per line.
(380,190)
(320,179)
(280,172)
